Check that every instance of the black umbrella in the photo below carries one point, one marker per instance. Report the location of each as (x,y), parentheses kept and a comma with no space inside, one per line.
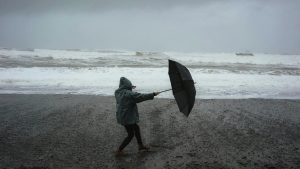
(183,87)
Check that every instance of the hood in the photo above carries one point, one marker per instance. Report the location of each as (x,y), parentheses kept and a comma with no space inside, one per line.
(125,83)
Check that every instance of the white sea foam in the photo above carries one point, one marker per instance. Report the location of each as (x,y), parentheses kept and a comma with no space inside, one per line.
(104,81)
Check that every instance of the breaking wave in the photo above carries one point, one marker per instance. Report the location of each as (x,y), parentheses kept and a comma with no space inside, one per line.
(219,75)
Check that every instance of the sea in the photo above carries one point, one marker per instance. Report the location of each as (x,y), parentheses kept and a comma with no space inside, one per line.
(97,72)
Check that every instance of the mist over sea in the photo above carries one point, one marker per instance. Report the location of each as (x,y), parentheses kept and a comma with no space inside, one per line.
(97,72)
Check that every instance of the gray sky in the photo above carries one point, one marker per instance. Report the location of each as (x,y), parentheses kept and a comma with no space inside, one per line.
(271,26)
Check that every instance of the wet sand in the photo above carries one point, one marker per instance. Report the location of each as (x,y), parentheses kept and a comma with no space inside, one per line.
(80,131)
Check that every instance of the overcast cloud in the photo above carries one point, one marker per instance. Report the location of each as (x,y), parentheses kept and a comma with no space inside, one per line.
(270,26)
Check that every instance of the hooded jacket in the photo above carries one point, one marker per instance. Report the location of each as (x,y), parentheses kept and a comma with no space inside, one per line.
(126,99)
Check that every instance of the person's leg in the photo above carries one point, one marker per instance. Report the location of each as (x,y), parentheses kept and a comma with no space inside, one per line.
(126,141)
(139,138)
(137,134)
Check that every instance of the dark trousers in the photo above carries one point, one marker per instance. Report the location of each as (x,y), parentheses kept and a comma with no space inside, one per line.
(132,130)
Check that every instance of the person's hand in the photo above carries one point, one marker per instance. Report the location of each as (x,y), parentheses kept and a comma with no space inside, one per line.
(156,93)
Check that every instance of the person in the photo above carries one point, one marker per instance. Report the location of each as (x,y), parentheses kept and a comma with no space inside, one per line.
(127,112)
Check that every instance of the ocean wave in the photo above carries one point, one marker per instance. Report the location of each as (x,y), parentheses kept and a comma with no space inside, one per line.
(241,68)
(215,62)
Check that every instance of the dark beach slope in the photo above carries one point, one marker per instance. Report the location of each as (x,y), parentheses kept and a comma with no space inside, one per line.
(77,131)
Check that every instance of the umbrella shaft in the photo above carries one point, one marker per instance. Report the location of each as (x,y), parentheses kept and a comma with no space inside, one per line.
(164,90)
(170,89)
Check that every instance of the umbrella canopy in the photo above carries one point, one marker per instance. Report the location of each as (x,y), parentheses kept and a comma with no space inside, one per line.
(182,86)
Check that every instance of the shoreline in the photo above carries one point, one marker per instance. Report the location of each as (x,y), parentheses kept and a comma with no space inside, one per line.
(159,97)
(80,131)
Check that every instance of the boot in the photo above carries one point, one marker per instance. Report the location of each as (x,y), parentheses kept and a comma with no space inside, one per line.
(119,153)
(143,148)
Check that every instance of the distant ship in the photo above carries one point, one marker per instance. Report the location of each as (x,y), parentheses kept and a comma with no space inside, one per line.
(244,54)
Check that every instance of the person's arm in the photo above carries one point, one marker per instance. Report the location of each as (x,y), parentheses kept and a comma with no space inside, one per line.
(139,97)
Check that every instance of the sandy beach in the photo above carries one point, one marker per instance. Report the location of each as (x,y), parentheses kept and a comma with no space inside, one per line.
(80,131)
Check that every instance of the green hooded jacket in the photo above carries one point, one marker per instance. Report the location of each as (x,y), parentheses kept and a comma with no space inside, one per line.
(127,111)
